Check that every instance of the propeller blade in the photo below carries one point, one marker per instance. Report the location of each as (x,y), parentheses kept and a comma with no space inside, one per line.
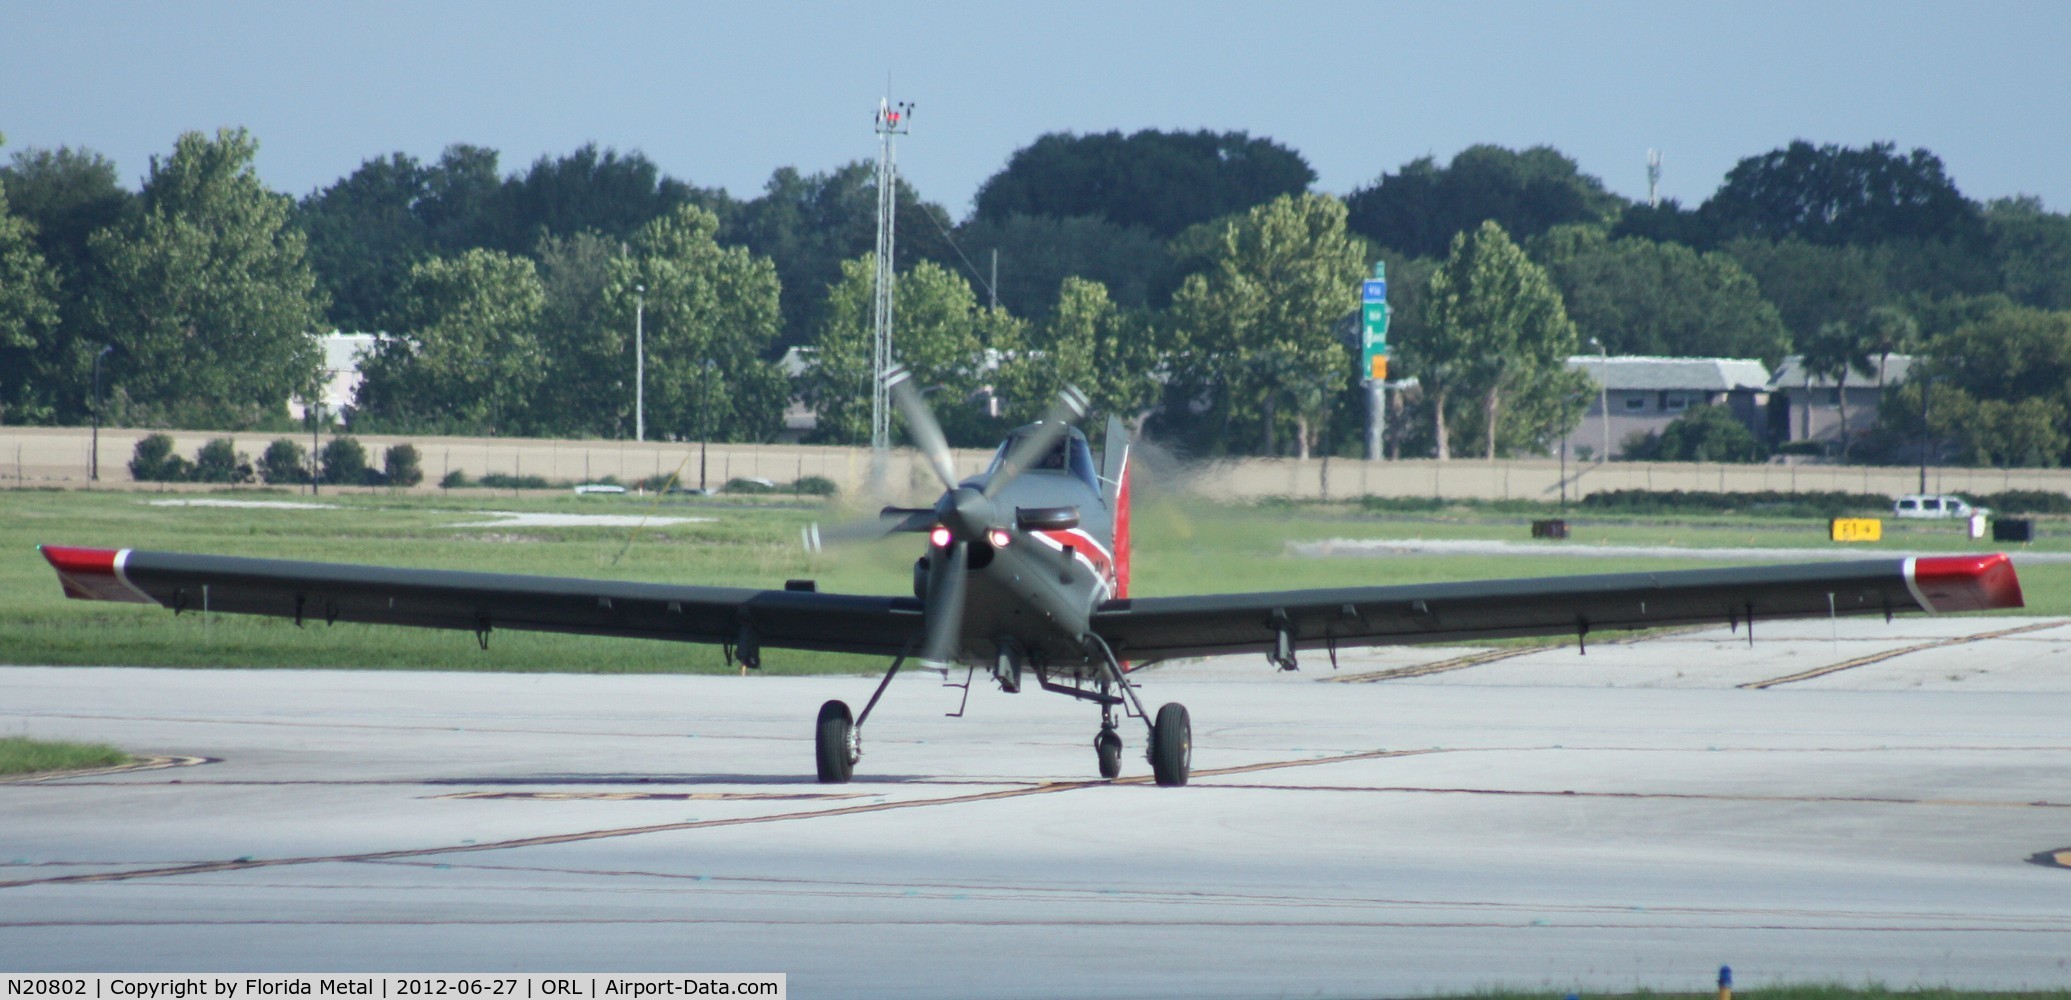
(944,611)
(920,422)
(1069,408)
(888,521)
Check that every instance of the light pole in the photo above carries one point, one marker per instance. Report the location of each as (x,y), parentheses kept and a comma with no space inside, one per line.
(704,423)
(1603,374)
(95,474)
(639,363)
(1926,435)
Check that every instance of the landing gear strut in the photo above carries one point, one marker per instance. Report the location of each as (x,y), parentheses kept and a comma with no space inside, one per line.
(1172,738)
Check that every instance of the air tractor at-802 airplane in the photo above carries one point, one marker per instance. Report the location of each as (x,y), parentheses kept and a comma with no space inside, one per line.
(1026,574)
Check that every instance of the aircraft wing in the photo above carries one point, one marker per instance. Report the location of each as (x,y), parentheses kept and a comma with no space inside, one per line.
(480,602)
(1145,629)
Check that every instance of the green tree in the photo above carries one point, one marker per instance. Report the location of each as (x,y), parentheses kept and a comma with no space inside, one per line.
(807,225)
(935,334)
(1161,182)
(1836,350)
(1833,195)
(2033,249)
(608,192)
(466,354)
(1998,388)
(1810,285)
(587,345)
(1418,209)
(365,234)
(1038,253)
(1087,341)
(712,315)
(1255,335)
(1642,297)
(28,321)
(65,194)
(206,291)
(1496,334)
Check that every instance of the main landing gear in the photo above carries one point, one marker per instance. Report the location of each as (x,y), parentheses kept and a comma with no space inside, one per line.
(1172,736)
(838,740)
(838,736)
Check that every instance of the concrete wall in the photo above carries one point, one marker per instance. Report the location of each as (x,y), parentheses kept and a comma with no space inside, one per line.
(57,457)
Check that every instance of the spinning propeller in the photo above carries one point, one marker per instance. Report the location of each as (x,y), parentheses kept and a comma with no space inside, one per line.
(965,514)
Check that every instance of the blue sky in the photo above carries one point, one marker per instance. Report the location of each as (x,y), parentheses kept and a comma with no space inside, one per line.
(721,94)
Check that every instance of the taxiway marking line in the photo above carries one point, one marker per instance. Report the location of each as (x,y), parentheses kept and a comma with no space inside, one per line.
(1872,800)
(209,867)
(1864,661)
(1494,655)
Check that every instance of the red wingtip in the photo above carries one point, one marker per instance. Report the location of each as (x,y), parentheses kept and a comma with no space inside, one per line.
(1967,583)
(92,574)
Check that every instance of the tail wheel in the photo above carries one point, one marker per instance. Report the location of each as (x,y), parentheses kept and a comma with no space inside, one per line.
(1108,747)
(1172,745)
(832,743)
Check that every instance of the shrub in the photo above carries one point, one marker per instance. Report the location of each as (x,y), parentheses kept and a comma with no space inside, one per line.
(1703,434)
(284,463)
(817,486)
(219,462)
(738,485)
(455,480)
(1810,504)
(344,462)
(500,481)
(153,461)
(404,467)
(2027,502)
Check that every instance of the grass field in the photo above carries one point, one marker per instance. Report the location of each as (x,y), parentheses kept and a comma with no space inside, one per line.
(20,755)
(1181,547)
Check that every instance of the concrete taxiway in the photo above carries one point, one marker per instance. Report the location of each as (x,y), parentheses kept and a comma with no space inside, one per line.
(1844,801)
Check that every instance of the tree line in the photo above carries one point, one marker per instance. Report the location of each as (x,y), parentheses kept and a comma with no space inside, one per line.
(1192,282)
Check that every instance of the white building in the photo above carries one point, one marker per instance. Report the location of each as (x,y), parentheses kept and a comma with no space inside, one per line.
(342,353)
(1647,393)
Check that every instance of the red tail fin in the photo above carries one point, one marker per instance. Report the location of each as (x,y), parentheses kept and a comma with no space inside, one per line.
(1115,469)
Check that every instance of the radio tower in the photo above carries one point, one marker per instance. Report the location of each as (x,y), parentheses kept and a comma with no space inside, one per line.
(892,120)
(1653,178)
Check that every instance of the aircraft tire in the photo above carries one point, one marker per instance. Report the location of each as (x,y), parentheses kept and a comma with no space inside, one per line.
(1172,745)
(1108,747)
(831,743)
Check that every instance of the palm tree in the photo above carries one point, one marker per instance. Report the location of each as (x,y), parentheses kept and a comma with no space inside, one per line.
(1837,349)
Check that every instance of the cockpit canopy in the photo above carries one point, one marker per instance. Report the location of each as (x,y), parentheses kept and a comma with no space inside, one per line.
(1070,454)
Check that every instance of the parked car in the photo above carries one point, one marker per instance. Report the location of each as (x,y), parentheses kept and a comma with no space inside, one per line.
(1933,505)
(588,488)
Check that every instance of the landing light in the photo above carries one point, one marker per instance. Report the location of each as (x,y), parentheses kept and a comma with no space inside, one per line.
(940,537)
(998,537)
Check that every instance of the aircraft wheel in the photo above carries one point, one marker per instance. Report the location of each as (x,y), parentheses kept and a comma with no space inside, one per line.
(831,743)
(1108,747)
(1172,745)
